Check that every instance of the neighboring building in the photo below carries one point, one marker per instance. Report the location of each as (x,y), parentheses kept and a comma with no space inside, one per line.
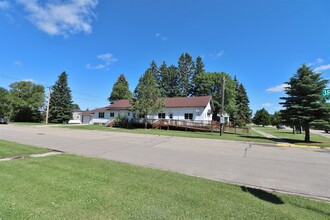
(181,108)
(86,117)
(76,117)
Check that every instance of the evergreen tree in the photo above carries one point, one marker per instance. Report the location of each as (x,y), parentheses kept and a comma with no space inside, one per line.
(120,90)
(154,69)
(186,67)
(60,105)
(262,117)
(304,105)
(196,78)
(162,79)
(242,103)
(146,98)
(168,81)
(26,100)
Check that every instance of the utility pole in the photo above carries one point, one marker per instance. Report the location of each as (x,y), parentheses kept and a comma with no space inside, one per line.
(222,119)
(47,112)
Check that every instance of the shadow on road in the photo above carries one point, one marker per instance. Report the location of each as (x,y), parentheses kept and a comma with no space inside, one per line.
(263,195)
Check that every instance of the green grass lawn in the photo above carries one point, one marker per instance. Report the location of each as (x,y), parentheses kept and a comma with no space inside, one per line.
(10,149)
(74,187)
(316,140)
(255,137)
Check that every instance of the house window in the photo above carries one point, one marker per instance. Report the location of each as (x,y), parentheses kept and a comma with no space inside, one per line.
(134,115)
(171,116)
(161,115)
(188,116)
(128,114)
(101,114)
(112,114)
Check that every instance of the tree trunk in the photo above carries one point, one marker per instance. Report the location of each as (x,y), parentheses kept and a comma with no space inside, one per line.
(294,130)
(307,135)
(145,122)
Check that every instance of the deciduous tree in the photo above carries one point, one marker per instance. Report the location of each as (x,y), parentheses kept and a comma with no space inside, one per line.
(4,102)
(262,117)
(26,100)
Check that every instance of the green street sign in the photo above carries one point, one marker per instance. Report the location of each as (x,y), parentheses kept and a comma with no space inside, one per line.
(326,92)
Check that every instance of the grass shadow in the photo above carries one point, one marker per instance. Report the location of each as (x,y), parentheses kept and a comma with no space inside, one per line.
(263,195)
(259,138)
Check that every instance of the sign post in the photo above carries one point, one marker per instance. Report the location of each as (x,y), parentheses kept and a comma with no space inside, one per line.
(326,92)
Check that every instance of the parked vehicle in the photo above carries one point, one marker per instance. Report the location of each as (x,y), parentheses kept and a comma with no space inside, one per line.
(3,120)
(280,126)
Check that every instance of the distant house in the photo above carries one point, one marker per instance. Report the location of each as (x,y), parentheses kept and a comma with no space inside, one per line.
(181,108)
(76,117)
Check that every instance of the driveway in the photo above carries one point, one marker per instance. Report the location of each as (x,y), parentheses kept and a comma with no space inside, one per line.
(320,132)
(291,170)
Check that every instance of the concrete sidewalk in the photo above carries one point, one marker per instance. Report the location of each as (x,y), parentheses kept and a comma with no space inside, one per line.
(277,139)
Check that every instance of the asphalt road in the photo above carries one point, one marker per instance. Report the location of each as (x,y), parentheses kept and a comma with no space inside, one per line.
(290,170)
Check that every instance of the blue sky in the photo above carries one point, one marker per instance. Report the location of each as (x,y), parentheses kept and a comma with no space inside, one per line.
(262,42)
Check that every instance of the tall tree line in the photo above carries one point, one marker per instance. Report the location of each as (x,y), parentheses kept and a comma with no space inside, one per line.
(189,78)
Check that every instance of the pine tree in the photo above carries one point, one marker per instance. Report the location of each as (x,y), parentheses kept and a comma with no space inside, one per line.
(186,67)
(120,90)
(242,103)
(168,81)
(154,68)
(146,98)
(196,78)
(304,104)
(60,105)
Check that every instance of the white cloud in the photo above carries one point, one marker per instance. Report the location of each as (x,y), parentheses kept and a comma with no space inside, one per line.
(278,88)
(4,5)
(267,104)
(61,18)
(161,37)
(18,63)
(319,60)
(322,68)
(217,55)
(107,60)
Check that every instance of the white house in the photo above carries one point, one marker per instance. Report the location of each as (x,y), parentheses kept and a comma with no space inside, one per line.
(76,117)
(181,108)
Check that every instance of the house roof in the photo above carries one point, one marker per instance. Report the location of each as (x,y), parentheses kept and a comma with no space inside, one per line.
(120,104)
(179,102)
(182,102)
(94,110)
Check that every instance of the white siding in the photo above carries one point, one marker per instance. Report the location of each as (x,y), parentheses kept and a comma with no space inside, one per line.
(199,113)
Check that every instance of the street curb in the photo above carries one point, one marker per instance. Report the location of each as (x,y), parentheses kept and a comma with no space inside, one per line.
(297,146)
